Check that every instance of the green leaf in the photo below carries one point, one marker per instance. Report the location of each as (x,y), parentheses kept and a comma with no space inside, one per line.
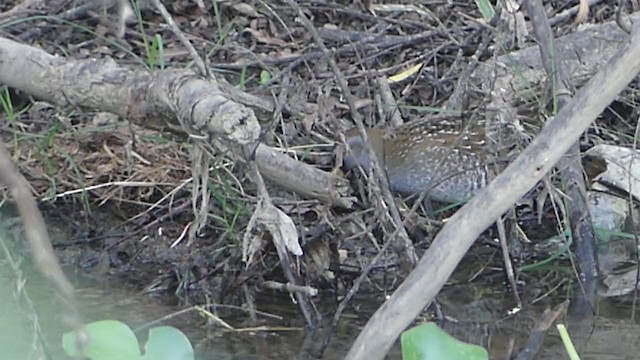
(486,9)
(158,47)
(265,77)
(108,340)
(428,341)
(168,343)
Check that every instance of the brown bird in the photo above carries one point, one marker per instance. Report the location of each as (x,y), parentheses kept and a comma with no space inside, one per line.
(439,156)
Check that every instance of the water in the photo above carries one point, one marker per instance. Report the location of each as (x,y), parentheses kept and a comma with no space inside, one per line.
(31,323)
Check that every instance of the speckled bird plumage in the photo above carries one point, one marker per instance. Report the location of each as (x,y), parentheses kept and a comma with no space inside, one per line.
(441,157)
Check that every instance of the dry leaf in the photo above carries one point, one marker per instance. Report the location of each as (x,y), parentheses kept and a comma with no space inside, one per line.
(246,9)
(280,226)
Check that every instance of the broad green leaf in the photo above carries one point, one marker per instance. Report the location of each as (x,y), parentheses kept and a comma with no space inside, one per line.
(429,342)
(108,340)
(167,343)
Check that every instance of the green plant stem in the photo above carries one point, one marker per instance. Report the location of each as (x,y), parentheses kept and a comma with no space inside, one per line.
(568,344)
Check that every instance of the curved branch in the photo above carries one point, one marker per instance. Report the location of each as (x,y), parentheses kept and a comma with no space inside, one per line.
(174,99)
(459,233)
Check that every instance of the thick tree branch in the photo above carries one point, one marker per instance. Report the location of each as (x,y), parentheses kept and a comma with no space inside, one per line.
(459,233)
(172,99)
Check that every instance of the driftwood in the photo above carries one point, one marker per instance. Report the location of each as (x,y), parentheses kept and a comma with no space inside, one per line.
(513,77)
(175,100)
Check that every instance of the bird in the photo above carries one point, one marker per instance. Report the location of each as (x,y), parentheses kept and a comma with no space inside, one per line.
(445,158)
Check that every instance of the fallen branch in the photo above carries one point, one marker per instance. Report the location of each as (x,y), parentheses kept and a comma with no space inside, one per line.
(459,233)
(175,100)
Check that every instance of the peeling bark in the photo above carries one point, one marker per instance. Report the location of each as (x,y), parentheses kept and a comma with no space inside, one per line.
(176,100)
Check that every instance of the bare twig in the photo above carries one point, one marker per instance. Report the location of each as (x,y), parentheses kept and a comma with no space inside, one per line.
(537,335)
(572,171)
(464,226)
(39,242)
(291,288)
(307,309)
(508,265)
(202,68)
(157,101)
(408,255)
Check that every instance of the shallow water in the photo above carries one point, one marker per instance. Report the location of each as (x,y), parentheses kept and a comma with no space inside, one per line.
(613,336)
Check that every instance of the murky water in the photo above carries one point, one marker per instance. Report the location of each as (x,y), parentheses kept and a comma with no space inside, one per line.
(31,324)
